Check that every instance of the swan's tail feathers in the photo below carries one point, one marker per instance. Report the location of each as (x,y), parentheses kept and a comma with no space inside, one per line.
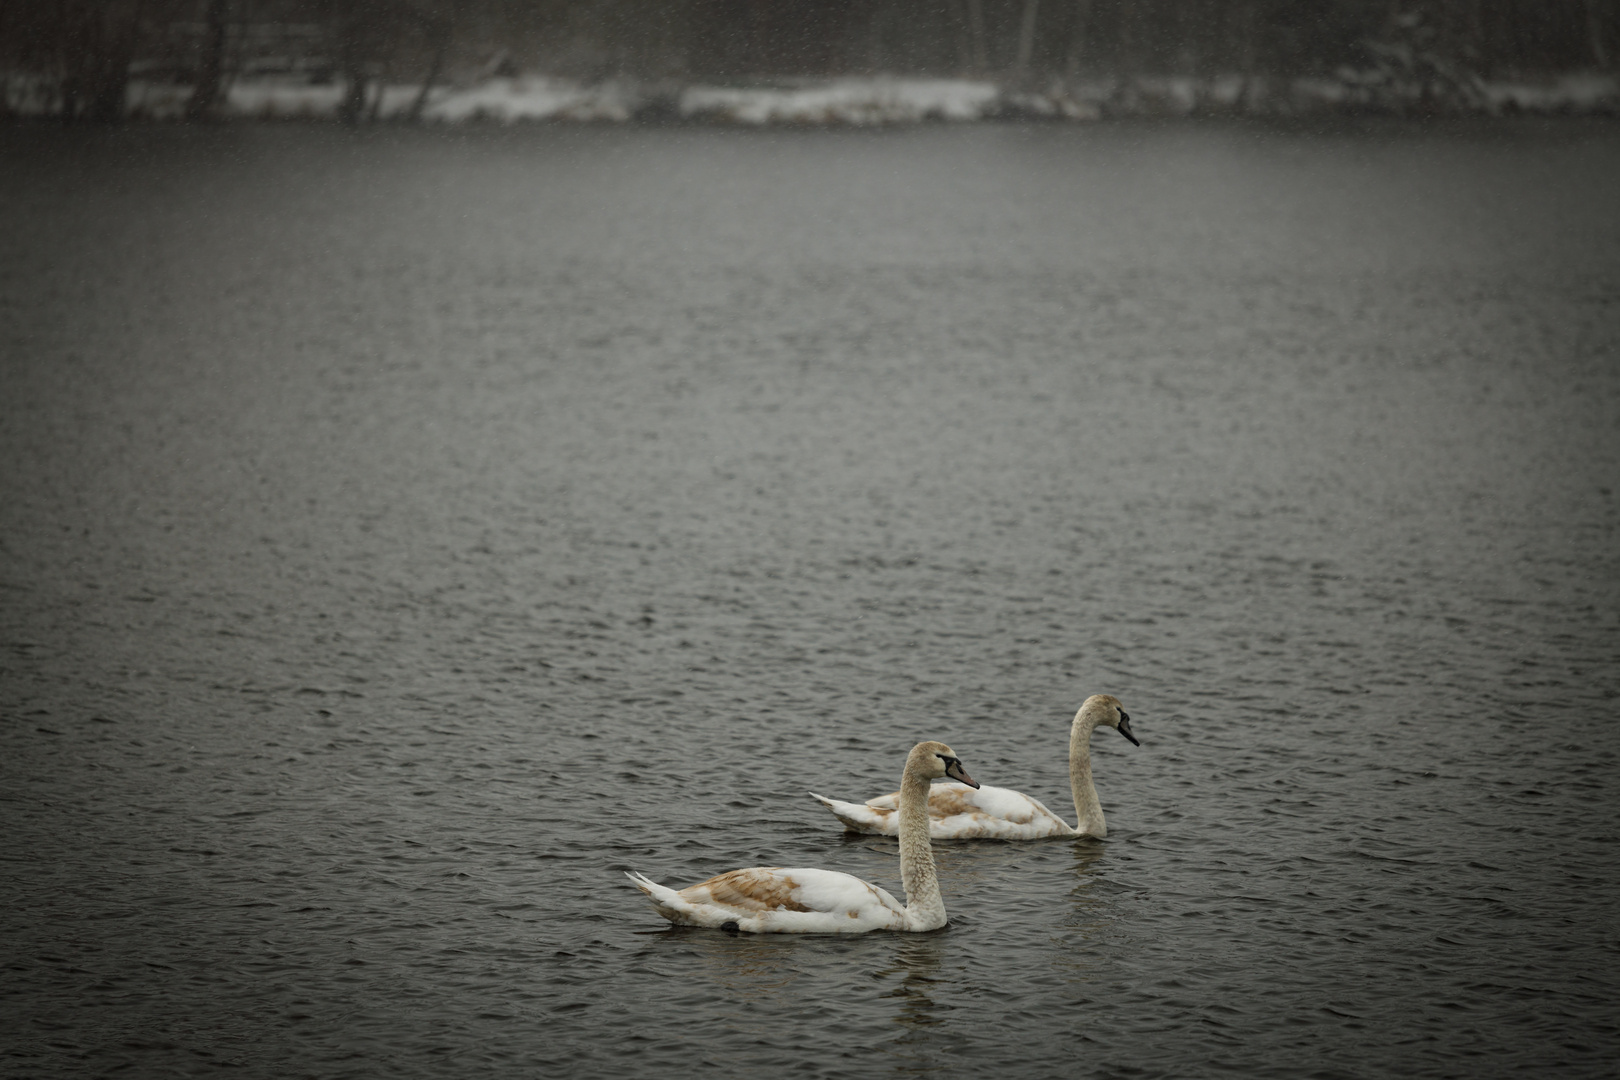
(670,904)
(662,895)
(858,818)
(643,882)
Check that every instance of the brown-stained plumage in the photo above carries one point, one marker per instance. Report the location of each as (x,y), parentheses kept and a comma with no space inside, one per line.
(945,801)
(804,900)
(959,812)
(754,889)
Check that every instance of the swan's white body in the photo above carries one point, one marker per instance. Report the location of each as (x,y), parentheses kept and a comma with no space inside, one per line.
(958,812)
(774,899)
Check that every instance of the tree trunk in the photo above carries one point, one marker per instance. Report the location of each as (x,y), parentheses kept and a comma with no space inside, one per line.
(1594,33)
(353,104)
(1026,39)
(95,85)
(374,114)
(110,81)
(874,37)
(1077,38)
(441,31)
(981,56)
(211,72)
(1127,62)
(1248,51)
(352,49)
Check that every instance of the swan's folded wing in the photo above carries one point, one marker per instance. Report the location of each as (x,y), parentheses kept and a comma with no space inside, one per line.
(951,798)
(773,899)
(841,894)
(957,812)
(748,892)
(735,897)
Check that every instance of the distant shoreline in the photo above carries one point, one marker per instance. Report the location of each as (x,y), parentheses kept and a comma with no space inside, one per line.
(860,101)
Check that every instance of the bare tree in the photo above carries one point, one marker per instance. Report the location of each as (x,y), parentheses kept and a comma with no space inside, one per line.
(981,55)
(1246,32)
(1594,33)
(1026,39)
(1079,29)
(365,35)
(80,52)
(205,95)
(98,41)
(439,29)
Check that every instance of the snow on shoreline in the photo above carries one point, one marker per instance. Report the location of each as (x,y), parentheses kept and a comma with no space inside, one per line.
(844,101)
(859,101)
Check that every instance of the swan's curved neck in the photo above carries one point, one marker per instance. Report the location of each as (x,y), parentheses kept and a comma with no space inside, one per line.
(925,908)
(1087,807)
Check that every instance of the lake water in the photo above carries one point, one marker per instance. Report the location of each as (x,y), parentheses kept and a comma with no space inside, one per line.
(404,532)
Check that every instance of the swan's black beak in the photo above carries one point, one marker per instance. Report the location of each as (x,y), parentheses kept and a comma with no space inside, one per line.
(1125,727)
(954,770)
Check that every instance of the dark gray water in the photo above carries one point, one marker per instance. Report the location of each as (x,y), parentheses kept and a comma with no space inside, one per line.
(402,533)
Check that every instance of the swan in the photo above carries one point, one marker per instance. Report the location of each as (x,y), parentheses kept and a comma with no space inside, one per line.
(777,900)
(967,813)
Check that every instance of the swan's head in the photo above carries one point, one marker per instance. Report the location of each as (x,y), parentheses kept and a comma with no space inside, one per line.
(1105,710)
(936,761)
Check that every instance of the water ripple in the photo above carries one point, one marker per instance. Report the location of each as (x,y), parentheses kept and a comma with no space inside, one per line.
(406,536)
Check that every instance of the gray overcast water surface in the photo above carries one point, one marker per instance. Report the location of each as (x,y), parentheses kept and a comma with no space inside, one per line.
(403,532)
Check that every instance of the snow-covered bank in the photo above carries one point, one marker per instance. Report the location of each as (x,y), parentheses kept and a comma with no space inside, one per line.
(866,101)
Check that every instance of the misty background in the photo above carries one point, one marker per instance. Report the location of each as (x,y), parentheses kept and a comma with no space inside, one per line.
(77,59)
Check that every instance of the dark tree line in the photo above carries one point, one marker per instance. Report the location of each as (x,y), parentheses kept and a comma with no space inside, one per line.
(88,50)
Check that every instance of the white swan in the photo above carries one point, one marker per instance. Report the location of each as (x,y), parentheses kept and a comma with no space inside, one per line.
(771,899)
(961,813)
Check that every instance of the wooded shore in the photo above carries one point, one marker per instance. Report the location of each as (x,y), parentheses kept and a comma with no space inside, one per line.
(361,61)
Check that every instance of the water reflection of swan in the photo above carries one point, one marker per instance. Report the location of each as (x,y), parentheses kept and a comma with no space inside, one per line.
(917,961)
(769,899)
(922,1041)
(956,812)
(1085,857)
(749,966)
(1091,909)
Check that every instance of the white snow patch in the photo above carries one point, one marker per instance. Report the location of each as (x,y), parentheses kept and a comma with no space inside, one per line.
(530,98)
(275,99)
(856,101)
(1581,92)
(844,101)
